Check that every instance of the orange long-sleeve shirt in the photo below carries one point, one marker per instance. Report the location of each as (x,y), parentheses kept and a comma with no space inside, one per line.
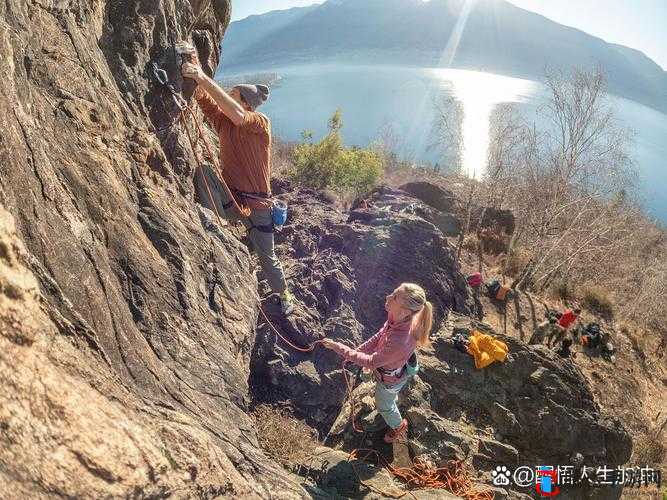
(245,150)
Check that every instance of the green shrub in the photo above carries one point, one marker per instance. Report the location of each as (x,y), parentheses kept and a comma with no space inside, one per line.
(330,165)
(596,300)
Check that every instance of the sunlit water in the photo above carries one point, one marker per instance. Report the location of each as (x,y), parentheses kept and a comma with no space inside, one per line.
(479,93)
(373,98)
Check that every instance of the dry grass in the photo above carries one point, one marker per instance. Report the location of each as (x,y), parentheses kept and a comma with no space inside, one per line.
(470,243)
(561,290)
(283,437)
(516,262)
(650,449)
(597,301)
(494,241)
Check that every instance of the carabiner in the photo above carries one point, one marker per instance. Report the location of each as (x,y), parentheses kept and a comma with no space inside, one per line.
(160,74)
(181,103)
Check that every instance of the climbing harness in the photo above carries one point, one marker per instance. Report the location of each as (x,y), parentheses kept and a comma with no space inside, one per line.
(396,372)
(278,210)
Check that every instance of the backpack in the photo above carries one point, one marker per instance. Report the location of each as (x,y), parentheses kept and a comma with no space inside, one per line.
(593,329)
(492,286)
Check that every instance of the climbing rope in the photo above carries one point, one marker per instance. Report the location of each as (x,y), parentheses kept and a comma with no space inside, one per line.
(309,348)
(353,405)
(453,477)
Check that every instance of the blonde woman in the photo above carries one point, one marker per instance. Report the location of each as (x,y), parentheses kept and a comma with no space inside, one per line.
(409,321)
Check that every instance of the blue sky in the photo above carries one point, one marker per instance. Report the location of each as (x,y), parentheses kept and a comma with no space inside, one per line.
(640,24)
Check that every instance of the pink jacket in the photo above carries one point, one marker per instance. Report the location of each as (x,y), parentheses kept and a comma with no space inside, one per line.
(389,349)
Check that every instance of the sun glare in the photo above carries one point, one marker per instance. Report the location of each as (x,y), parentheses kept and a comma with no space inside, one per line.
(479,93)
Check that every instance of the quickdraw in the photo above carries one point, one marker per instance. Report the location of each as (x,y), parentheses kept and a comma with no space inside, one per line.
(162,79)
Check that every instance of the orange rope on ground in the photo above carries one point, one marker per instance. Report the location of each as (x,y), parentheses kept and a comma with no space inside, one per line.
(453,477)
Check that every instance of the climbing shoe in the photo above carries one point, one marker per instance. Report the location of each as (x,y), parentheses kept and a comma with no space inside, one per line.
(287,302)
(398,433)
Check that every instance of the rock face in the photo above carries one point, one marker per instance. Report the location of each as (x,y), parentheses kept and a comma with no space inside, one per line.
(341,266)
(125,365)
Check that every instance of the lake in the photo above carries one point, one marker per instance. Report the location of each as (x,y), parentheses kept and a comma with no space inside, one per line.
(373,98)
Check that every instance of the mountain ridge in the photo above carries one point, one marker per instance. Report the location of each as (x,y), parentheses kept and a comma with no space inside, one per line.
(498,37)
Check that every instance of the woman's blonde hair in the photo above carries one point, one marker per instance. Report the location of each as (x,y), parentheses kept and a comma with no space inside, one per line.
(413,297)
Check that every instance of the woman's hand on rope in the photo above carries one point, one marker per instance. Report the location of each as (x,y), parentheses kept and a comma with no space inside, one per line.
(328,343)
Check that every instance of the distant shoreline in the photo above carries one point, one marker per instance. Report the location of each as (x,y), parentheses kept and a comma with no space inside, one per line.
(364,59)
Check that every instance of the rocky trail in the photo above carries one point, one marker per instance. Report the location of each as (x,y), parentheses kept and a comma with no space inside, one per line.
(132,348)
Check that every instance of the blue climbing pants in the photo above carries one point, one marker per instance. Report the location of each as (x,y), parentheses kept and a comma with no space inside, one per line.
(385,402)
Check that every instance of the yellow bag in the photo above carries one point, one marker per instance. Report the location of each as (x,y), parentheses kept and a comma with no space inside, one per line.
(486,349)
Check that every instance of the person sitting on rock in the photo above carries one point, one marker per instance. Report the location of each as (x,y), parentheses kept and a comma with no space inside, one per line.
(541,331)
(409,321)
(245,152)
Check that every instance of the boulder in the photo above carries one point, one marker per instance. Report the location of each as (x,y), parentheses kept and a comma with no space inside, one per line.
(341,266)
(434,196)
(493,218)
(440,214)
(339,476)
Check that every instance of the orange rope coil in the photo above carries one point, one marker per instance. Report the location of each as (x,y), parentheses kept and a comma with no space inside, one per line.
(453,477)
